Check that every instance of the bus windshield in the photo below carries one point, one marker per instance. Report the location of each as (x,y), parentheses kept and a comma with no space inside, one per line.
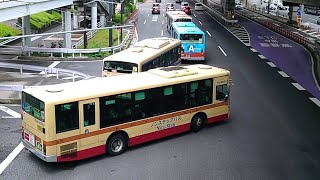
(191,38)
(33,106)
(120,67)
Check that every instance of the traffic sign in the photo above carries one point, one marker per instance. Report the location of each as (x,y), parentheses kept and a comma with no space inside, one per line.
(299,11)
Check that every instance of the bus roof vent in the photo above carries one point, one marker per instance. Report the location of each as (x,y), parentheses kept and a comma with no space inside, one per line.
(53,89)
(173,71)
(205,67)
(158,44)
(137,50)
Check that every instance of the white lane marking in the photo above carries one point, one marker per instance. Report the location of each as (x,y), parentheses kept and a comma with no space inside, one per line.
(9,117)
(194,15)
(10,112)
(271,64)
(262,56)
(148,14)
(253,50)
(161,32)
(35,37)
(11,157)
(298,86)
(208,33)
(283,74)
(54,64)
(163,15)
(200,22)
(162,22)
(316,101)
(317,35)
(312,33)
(144,21)
(154,18)
(222,51)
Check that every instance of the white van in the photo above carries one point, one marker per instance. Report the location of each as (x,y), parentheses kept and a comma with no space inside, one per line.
(198,7)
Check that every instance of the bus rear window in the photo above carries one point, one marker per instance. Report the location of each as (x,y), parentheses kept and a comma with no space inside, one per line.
(121,67)
(183,20)
(33,106)
(194,38)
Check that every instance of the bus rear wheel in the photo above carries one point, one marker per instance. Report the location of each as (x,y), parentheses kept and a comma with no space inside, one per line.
(197,122)
(116,145)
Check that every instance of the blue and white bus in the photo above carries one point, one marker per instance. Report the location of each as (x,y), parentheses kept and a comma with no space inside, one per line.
(193,40)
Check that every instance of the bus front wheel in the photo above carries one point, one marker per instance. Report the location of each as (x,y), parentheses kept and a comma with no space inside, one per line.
(116,145)
(197,122)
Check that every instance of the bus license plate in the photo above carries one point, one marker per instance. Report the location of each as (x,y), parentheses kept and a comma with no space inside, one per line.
(29,138)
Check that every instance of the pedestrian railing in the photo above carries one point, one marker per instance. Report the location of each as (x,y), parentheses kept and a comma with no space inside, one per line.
(29,50)
(45,70)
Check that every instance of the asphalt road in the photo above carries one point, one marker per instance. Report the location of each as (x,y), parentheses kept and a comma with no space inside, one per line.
(272,133)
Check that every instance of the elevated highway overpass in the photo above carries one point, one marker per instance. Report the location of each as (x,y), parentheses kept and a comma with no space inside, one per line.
(21,8)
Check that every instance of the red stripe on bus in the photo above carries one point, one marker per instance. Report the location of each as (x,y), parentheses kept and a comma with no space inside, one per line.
(95,151)
(134,123)
(218,118)
(159,134)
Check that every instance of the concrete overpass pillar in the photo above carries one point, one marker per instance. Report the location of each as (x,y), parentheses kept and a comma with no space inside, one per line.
(62,20)
(103,20)
(94,12)
(26,30)
(75,21)
(67,27)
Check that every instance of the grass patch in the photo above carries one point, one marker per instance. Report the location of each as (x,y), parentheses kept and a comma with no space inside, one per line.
(7,31)
(101,39)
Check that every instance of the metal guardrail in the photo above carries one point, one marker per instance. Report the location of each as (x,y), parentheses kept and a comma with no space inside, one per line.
(89,34)
(62,51)
(46,70)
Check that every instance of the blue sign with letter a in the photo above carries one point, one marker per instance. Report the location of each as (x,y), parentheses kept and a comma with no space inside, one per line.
(299,12)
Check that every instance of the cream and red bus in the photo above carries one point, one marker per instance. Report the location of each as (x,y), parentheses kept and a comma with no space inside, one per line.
(144,55)
(78,120)
(176,16)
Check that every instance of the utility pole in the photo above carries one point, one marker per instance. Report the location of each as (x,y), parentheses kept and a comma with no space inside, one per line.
(110,22)
(121,19)
(85,38)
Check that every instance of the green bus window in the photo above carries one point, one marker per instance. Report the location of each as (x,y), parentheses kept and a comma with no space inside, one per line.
(193,87)
(89,114)
(67,117)
(139,96)
(168,91)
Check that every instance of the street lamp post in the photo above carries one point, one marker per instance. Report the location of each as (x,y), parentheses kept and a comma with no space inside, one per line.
(121,20)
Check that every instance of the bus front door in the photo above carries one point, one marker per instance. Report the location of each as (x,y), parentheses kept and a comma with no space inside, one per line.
(89,122)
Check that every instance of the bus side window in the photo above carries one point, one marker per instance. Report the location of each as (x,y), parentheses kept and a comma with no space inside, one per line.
(67,117)
(222,92)
(89,114)
(205,92)
(193,93)
(139,106)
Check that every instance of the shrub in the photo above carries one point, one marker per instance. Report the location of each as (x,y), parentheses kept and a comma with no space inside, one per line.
(7,31)
(43,19)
